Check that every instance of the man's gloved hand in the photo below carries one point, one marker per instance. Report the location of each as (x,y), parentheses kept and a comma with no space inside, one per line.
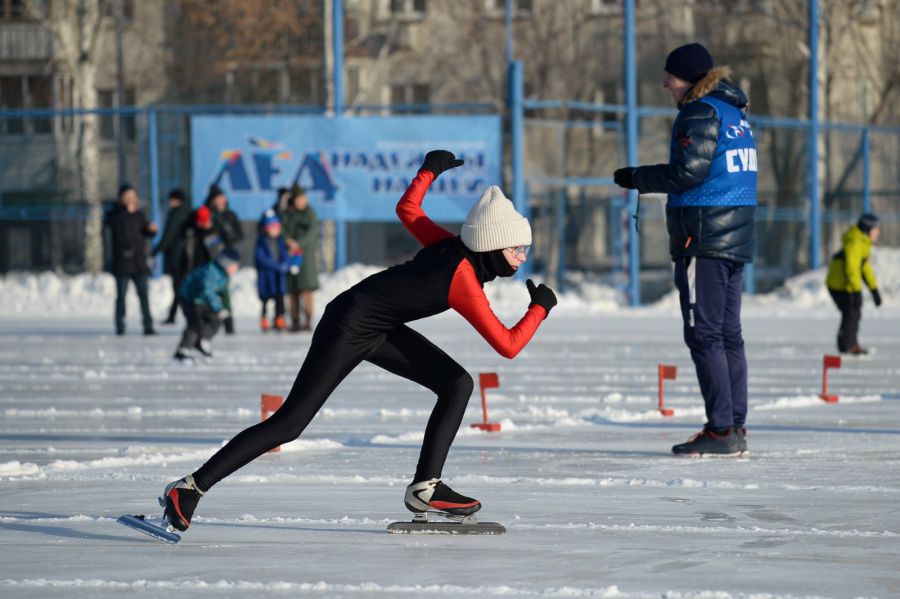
(624,177)
(876,297)
(223,314)
(438,161)
(541,295)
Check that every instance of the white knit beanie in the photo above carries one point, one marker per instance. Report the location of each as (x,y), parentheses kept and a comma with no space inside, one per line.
(494,224)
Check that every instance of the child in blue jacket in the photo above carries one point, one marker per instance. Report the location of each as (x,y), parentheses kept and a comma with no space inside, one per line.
(201,298)
(272,263)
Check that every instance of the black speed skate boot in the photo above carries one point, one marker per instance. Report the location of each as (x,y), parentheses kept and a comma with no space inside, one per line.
(204,346)
(181,498)
(708,442)
(433,495)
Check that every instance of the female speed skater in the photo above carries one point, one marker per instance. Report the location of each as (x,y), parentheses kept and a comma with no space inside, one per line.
(368,322)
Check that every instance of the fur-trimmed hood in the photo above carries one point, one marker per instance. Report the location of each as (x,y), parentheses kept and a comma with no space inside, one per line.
(717,84)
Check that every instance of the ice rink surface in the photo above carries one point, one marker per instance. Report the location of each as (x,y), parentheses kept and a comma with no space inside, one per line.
(93,426)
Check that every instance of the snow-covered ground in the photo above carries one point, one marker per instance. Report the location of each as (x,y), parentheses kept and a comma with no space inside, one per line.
(94,425)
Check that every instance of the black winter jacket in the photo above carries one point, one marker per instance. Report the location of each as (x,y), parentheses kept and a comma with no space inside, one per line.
(172,242)
(129,234)
(725,232)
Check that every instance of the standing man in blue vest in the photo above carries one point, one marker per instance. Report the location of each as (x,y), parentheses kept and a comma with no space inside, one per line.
(711,182)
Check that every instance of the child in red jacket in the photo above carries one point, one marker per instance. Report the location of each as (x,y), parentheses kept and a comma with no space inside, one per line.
(368,322)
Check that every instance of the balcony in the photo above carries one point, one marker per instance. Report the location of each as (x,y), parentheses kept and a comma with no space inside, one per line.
(25,41)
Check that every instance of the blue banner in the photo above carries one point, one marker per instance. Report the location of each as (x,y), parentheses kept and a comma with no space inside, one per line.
(353,168)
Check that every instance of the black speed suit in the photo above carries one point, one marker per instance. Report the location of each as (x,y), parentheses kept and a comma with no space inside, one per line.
(367,322)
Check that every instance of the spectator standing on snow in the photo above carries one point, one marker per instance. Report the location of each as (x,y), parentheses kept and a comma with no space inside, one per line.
(172,246)
(711,183)
(849,268)
(272,264)
(201,297)
(130,230)
(301,230)
(226,223)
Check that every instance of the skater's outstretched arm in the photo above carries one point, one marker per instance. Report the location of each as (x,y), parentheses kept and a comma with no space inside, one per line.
(467,297)
(409,208)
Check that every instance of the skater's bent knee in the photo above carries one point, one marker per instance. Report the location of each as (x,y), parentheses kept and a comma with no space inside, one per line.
(461,387)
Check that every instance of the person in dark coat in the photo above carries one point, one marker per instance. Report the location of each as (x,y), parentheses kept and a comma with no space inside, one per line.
(130,229)
(172,245)
(711,182)
(228,226)
(272,263)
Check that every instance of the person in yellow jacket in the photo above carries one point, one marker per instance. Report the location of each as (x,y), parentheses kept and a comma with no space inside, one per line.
(849,268)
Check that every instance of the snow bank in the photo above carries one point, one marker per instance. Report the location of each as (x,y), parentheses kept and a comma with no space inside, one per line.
(50,294)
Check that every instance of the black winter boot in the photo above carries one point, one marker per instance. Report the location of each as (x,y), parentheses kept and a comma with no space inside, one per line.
(708,442)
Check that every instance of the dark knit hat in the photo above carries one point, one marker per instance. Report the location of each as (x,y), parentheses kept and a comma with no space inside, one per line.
(297,190)
(690,62)
(177,194)
(867,222)
(214,192)
(125,187)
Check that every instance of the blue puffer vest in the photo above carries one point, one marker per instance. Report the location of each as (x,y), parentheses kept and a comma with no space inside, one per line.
(711,174)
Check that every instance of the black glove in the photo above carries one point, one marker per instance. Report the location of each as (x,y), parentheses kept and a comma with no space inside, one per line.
(624,177)
(876,297)
(541,295)
(438,161)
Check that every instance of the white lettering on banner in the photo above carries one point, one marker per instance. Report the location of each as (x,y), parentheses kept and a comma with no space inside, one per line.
(746,156)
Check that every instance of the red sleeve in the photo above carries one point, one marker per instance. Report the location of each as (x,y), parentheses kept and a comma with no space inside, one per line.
(467,297)
(409,209)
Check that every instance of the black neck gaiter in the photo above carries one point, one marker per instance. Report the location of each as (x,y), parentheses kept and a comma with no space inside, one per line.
(489,265)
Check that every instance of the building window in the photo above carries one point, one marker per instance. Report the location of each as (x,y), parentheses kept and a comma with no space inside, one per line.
(109,123)
(39,94)
(18,93)
(13,11)
(105,99)
(410,93)
(12,98)
(127,9)
(408,8)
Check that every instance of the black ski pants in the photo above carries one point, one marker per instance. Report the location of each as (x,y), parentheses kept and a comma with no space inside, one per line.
(202,323)
(850,305)
(140,284)
(335,350)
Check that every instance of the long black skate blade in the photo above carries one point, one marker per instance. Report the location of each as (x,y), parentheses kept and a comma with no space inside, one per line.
(457,526)
(140,524)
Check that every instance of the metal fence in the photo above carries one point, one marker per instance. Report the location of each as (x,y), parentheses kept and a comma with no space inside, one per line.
(567,153)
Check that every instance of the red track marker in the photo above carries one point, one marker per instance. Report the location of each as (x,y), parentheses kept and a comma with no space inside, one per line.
(665,372)
(828,362)
(487,380)
(269,404)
